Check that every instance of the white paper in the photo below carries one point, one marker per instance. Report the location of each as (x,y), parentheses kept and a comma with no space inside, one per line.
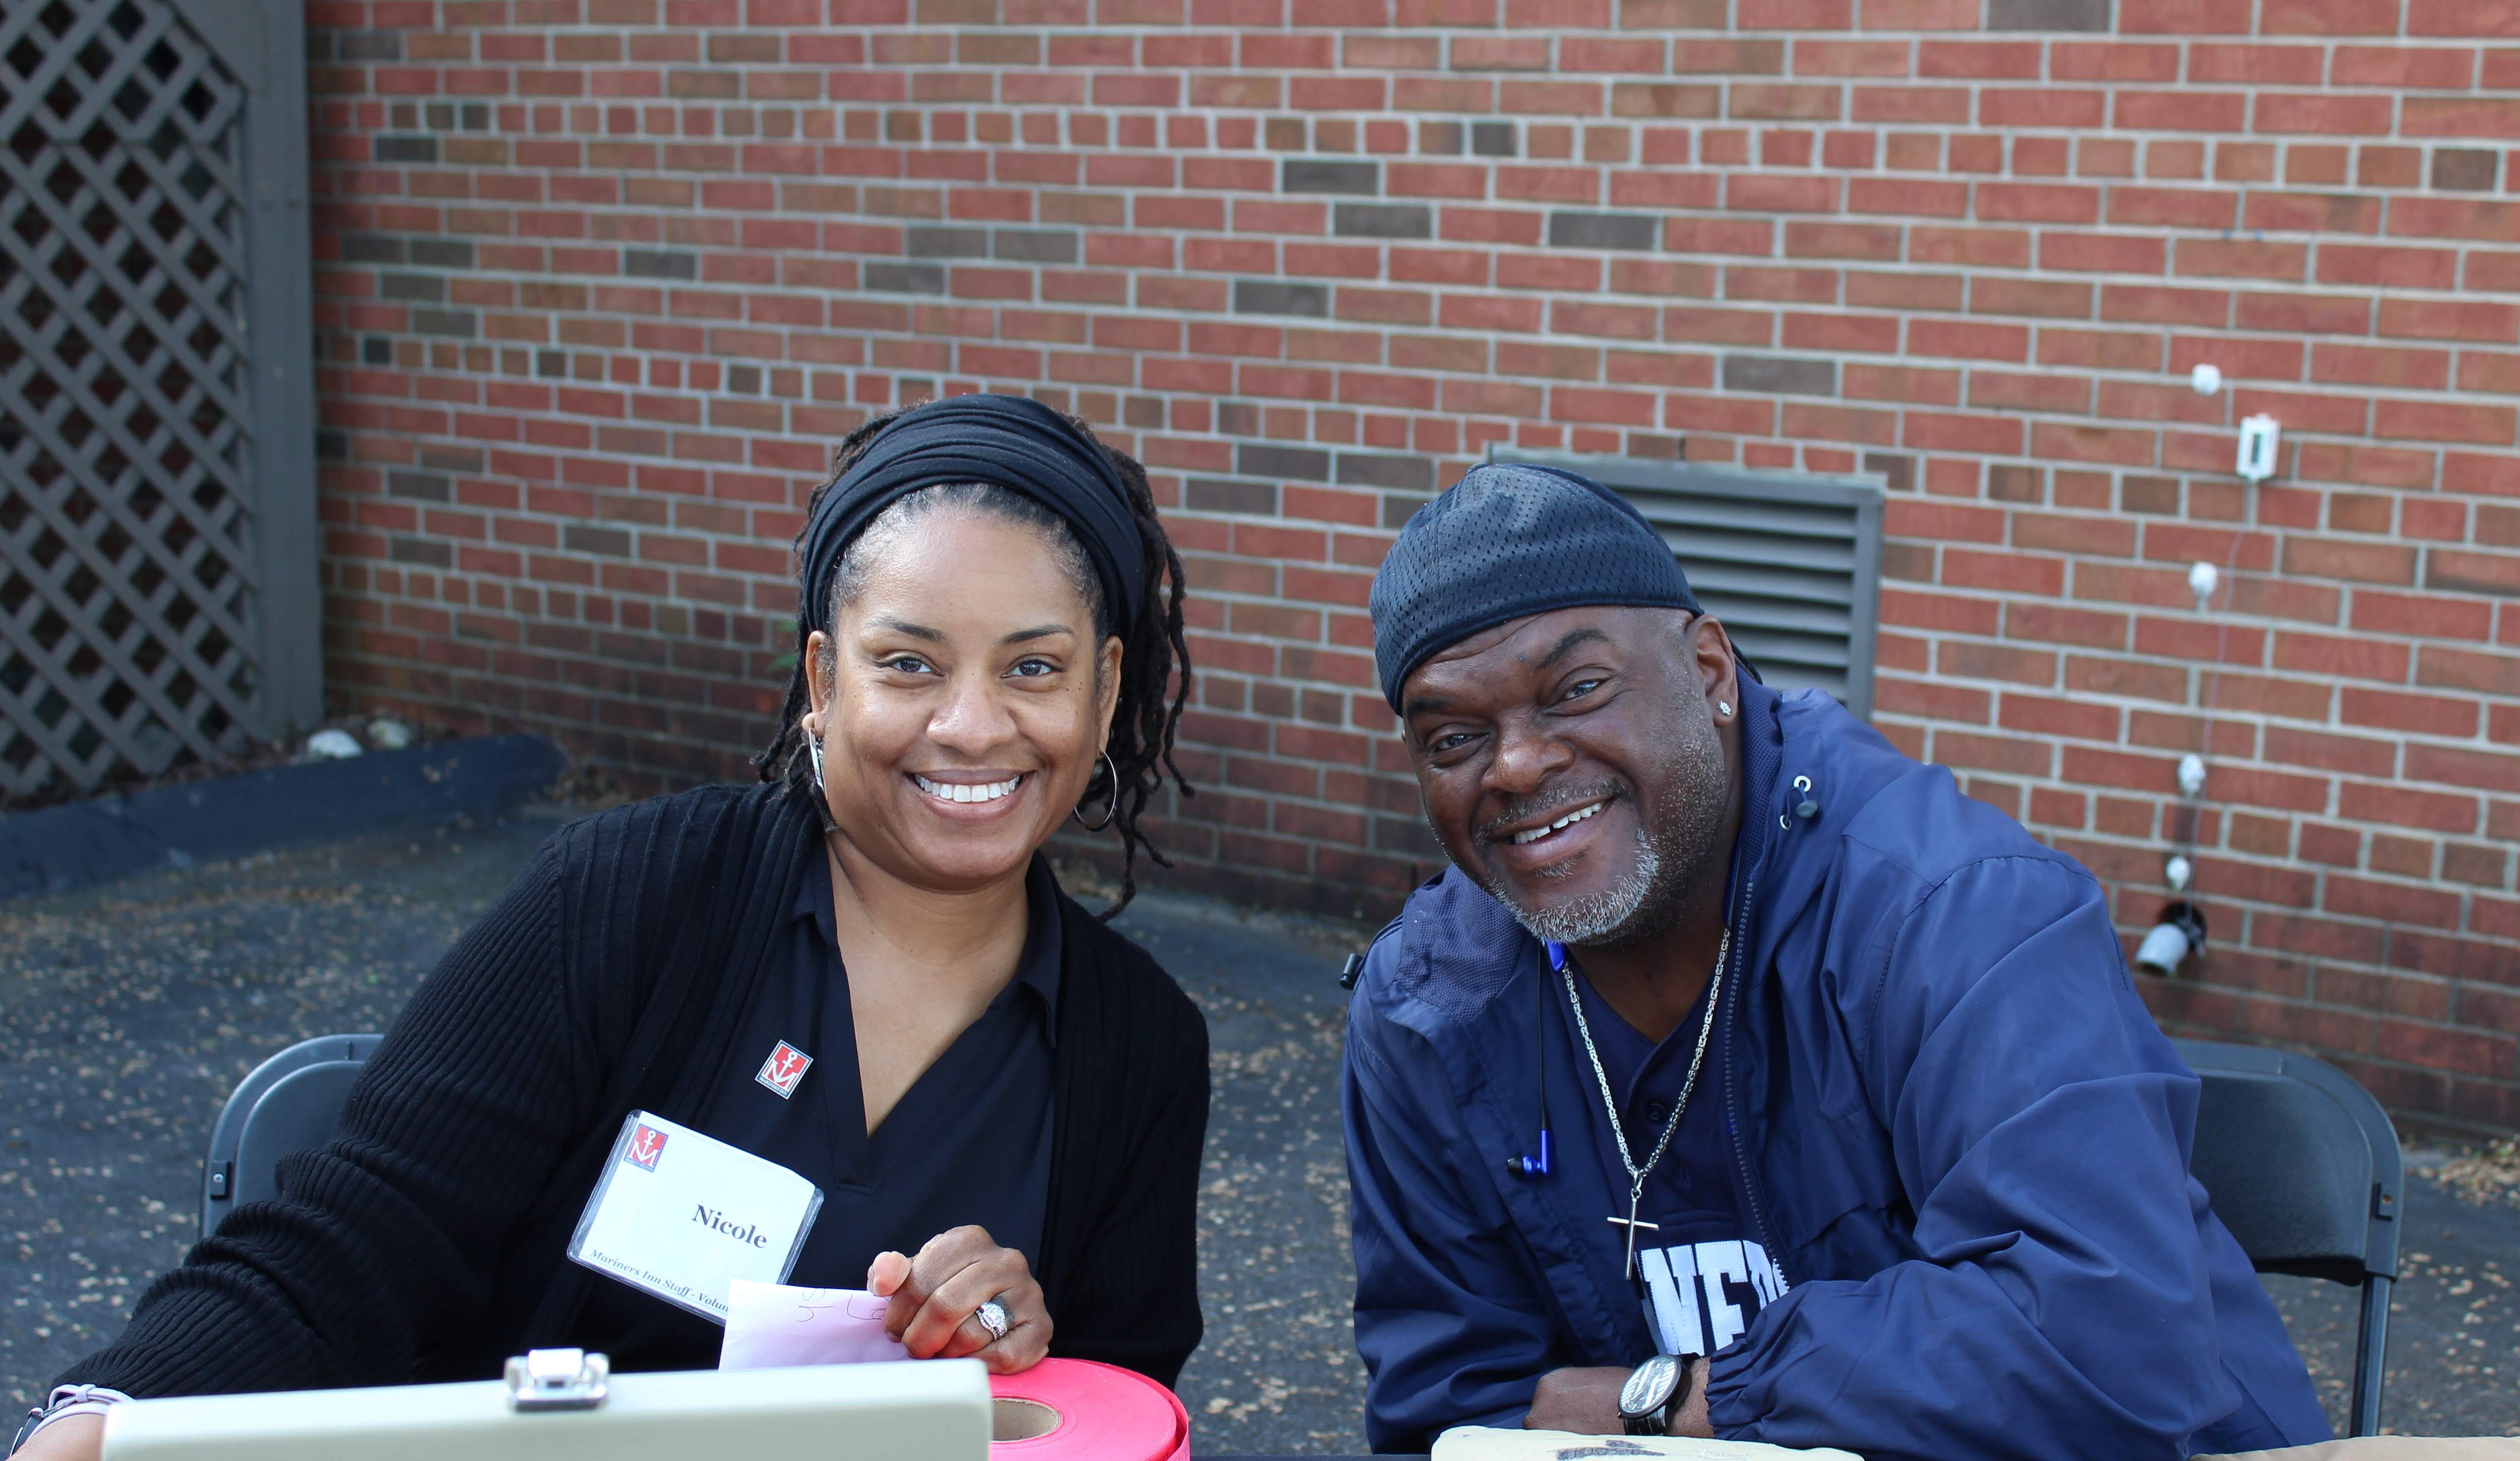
(769,1325)
(685,1215)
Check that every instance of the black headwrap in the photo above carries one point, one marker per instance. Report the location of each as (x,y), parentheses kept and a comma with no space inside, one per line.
(1009,441)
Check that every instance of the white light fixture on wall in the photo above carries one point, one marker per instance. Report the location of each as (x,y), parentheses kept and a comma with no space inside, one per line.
(2201,581)
(2179,935)
(2259,435)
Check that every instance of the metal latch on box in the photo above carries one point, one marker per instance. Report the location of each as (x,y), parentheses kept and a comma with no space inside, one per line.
(558,1380)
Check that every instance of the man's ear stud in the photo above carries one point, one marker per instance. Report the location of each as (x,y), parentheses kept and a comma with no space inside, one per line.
(1723,707)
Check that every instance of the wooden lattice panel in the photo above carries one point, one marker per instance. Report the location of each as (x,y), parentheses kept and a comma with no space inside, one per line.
(126,578)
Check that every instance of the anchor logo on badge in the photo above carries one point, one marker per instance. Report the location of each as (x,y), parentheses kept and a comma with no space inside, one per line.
(783,1069)
(646,1144)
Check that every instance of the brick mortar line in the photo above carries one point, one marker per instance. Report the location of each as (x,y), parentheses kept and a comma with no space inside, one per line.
(1848,91)
(1609,169)
(2033,232)
(2238,191)
(2174,338)
(1749,129)
(1552,36)
(2239,286)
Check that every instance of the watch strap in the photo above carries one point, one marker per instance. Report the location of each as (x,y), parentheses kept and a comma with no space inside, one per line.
(1680,1392)
(64,1401)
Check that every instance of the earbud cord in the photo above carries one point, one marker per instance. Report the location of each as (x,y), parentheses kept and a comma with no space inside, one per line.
(1539,1022)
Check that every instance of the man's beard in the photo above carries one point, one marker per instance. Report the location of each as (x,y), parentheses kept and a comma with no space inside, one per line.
(1672,855)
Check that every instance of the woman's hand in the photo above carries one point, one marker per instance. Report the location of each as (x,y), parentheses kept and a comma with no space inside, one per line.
(74,1438)
(935,1296)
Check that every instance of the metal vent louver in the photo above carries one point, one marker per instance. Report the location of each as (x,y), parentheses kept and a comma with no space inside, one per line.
(1790,561)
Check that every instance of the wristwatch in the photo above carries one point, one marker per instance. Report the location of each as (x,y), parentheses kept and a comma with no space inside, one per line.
(1655,1390)
(65,1400)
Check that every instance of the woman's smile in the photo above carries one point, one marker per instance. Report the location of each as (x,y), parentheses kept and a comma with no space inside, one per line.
(972,795)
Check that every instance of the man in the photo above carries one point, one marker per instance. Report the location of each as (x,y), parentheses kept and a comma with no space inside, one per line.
(1901,1160)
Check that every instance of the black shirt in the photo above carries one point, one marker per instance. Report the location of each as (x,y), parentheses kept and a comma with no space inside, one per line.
(968,1143)
(1701,1277)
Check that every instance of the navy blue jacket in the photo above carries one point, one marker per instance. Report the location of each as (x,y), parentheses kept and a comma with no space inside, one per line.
(1960,1135)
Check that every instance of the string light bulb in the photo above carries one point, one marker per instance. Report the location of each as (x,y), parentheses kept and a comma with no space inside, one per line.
(2202,580)
(2191,774)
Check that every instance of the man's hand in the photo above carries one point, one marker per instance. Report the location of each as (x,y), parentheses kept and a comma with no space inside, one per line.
(77,1437)
(936,1295)
(1586,1402)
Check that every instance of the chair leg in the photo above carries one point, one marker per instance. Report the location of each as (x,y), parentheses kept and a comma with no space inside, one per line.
(2370,1357)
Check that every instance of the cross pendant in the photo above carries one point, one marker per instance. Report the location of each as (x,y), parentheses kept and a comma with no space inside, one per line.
(1631,1222)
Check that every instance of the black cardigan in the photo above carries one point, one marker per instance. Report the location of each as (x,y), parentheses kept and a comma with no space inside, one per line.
(427,1241)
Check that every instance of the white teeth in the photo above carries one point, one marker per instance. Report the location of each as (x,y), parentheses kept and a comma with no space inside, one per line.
(1561,823)
(965,791)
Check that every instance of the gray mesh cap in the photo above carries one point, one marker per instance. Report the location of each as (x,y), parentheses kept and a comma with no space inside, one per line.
(1508,541)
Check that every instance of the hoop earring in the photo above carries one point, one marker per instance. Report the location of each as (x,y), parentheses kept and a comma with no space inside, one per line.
(1110,811)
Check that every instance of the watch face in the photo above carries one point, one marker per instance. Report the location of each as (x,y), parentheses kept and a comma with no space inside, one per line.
(1649,1387)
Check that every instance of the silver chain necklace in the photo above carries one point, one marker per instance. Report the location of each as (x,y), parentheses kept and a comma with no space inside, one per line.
(1611,1102)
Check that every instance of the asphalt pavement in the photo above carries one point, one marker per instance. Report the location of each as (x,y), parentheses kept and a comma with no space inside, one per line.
(128,1012)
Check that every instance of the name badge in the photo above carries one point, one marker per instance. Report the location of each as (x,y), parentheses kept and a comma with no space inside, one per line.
(685,1215)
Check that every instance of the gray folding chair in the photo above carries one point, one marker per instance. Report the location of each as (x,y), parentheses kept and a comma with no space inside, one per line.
(289,1104)
(2303,1168)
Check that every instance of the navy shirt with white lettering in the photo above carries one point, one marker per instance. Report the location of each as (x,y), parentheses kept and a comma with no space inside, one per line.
(968,1143)
(1704,1276)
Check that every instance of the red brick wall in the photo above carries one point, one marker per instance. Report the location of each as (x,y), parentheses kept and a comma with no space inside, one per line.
(602,282)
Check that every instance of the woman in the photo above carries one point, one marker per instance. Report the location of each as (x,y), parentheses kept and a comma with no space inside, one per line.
(861,970)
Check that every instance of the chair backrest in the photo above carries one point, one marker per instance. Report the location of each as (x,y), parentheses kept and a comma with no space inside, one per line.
(2301,1162)
(289,1104)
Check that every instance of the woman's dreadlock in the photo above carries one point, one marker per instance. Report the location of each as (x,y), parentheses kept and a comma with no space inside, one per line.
(1152,649)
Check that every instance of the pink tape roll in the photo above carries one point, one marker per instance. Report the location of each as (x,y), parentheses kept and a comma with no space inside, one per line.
(1099,1412)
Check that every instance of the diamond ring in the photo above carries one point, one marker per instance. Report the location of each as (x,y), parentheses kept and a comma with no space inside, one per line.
(993,1319)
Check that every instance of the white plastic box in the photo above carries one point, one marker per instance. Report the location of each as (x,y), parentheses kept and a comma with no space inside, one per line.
(926,1408)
